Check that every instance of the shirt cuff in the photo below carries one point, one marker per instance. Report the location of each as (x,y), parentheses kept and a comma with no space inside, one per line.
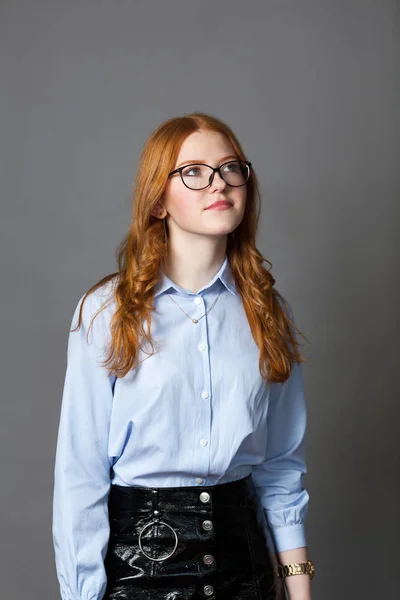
(289,537)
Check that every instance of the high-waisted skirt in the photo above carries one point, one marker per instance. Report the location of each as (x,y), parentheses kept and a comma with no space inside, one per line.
(187,543)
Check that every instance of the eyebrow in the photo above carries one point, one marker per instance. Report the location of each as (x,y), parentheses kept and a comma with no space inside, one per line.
(197,161)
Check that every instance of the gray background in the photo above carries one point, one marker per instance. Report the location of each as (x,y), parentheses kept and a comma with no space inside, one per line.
(309,88)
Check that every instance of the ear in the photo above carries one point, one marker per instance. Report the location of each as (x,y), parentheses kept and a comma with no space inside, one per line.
(158,211)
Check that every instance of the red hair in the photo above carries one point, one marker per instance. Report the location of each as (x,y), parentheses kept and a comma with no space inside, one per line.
(143,251)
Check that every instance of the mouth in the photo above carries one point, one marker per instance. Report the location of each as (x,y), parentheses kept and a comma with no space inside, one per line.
(220,204)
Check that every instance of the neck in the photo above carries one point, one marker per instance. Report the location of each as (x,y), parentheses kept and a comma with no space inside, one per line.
(193,267)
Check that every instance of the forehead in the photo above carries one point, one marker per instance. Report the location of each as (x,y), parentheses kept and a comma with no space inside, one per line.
(205,146)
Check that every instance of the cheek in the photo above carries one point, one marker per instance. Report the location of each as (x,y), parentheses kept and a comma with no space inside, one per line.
(181,203)
(239,195)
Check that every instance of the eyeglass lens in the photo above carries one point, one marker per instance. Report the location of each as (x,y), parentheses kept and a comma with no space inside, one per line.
(235,173)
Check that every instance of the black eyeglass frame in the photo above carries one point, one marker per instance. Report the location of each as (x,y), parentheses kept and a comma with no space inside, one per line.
(215,170)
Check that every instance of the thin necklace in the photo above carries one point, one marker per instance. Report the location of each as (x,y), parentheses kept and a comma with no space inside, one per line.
(196,320)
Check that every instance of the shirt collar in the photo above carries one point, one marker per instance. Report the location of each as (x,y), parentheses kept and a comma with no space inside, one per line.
(224,275)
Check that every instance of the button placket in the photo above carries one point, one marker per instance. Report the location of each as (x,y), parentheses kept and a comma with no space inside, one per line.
(201,460)
(208,559)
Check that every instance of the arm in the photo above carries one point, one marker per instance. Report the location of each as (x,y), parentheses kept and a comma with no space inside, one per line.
(82,467)
(278,479)
(299,586)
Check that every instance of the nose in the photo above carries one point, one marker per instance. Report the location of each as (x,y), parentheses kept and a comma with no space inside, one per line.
(218,182)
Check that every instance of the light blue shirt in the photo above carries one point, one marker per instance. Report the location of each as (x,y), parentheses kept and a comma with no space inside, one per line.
(196,413)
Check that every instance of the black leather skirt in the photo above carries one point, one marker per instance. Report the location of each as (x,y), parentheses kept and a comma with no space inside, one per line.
(182,543)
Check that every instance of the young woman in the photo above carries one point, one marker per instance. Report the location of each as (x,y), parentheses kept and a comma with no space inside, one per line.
(181,442)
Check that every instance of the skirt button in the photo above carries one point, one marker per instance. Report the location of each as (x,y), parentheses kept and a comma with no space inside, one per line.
(208,559)
(204,497)
(207,525)
(208,590)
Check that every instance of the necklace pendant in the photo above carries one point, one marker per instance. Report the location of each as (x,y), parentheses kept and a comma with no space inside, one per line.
(195,320)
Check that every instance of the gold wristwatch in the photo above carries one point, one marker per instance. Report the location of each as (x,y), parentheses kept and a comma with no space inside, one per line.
(295,569)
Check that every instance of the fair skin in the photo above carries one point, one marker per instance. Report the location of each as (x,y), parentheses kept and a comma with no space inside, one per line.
(197,244)
(197,237)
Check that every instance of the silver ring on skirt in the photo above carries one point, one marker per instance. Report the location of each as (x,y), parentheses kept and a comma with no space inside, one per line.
(160,523)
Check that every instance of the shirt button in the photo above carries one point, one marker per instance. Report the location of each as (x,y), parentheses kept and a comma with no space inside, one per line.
(204,394)
(204,496)
(208,590)
(199,480)
(197,300)
(207,525)
(203,442)
(201,346)
(208,559)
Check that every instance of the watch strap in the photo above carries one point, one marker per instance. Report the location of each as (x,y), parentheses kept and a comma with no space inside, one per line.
(306,568)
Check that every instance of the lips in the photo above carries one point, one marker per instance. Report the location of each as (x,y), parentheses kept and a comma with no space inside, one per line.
(220,203)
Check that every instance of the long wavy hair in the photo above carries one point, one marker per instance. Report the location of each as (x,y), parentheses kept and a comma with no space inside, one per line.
(143,252)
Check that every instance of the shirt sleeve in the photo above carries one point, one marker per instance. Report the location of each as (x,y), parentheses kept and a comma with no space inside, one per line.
(278,479)
(82,467)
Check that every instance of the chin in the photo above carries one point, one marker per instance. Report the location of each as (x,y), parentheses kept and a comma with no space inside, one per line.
(222,230)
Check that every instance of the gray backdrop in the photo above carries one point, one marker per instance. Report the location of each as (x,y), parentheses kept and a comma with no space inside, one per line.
(309,87)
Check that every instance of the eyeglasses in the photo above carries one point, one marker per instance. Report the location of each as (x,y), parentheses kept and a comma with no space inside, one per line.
(199,176)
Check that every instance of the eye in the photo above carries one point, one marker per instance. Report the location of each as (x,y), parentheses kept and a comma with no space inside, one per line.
(193,171)
(233,167)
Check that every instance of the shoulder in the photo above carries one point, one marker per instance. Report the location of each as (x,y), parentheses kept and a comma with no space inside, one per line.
(98,307)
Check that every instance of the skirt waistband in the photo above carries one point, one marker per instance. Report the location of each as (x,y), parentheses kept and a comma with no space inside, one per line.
(237,493)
